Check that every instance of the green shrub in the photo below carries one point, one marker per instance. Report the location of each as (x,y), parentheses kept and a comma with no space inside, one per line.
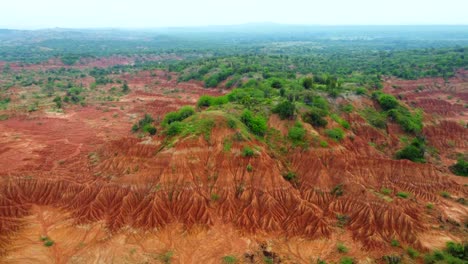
(180,115)
(392,259)
(361,91)
(445,194)
(374,118)
(297,133)
(340,121)
(346,260)
(342,248)
(413,253)
(386,191)
(285,109)
(335,133)
(174,128)
(231,123)
(387,102)
(307,83)
(148,128)
(460,168)
(249,167)
(315,118)
(414,152)
(395,243)
(229,260)
(247,152)
(290,176)
(411,123)
(145,124)
(403,195)
(256,124)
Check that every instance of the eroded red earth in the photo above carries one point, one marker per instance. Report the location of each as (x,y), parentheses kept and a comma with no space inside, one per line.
(105,196)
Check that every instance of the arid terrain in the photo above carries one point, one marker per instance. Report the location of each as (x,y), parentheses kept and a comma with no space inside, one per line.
(80,178)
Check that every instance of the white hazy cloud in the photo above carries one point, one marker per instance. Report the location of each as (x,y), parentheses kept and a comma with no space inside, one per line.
(157,13)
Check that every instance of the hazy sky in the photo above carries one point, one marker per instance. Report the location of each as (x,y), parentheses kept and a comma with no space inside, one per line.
(157,13)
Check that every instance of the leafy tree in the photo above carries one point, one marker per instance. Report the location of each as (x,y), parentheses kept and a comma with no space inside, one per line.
(307,83)
(388,102)
(285,109)
(256,124)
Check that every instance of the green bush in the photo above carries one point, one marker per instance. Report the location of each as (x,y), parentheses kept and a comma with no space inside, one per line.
(387,102)
(342,248)
(335,133)
(285,109)
(290,176)
(395,243)
(460,168)
(297,133)
(174,128)
(180,115)
(411,123)
(454,253)
(148,128)
(256,124)
(229,260)
(247,152)
(413,253)
(403,195)
(374,118)
(346,260)
(315,118)
(307,83)
(414,152)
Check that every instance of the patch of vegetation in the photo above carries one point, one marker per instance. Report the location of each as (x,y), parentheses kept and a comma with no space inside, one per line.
(386,191)
(461,167)
(315,117)
(340,121)
(166,257)
(403,195)
(387,102)
(374,117)
(412,253)
(247,152)
(392,259)
(145,125)
(229,259)
(414,151)
(342,248)
(335,133)
(256,124)
(290,176)
(207,101)
(395,243)
(178,116)
(297,134)
(337,190)
(346,260)
(285,109)
(47,241)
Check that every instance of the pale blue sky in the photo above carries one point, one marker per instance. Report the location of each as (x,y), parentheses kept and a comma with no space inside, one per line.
(157,13)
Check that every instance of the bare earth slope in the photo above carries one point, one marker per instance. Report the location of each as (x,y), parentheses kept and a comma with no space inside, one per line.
(104,196)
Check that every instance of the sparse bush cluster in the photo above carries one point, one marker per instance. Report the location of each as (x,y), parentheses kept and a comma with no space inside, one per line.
(256,124)
(414,151)
(145,125)
(178,116)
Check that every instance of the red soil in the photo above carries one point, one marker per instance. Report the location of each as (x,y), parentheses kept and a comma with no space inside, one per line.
(83,180)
